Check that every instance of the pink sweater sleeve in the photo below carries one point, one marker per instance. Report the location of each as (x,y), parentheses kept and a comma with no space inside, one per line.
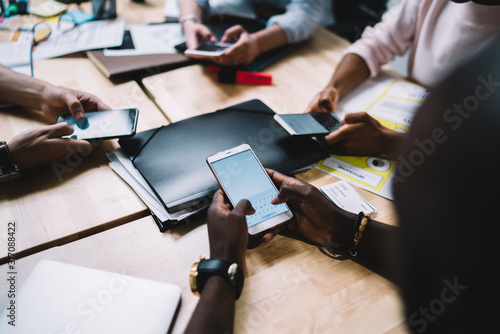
(392,36)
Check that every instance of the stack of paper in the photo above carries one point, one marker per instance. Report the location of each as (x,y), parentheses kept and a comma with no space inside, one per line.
(121,164)
(65,38)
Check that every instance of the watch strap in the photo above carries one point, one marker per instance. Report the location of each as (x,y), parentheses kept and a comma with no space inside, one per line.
(8,169)
(231,271)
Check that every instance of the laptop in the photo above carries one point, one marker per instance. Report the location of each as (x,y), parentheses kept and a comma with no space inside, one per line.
(63,298)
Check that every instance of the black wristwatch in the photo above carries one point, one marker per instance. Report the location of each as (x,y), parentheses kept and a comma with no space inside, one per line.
(201,271)
(8,169)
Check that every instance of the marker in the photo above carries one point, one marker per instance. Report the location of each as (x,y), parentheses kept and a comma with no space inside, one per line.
(227,75)
(12,9)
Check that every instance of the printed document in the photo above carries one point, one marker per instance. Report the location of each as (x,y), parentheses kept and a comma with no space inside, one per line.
(394,104)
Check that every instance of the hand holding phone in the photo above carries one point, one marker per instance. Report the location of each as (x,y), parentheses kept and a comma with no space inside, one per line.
(207,50)
(108,124)
(242,176)
(310,124)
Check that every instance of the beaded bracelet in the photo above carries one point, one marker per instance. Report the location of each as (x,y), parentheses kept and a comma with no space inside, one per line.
(357,231)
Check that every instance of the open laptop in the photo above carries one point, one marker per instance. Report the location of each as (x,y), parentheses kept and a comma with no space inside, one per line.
(63,298)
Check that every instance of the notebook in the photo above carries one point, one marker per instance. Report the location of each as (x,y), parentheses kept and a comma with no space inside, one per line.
(113,67)
(63,298)
(172,159)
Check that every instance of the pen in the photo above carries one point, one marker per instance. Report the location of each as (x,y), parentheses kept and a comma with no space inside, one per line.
(14,28)
(2,7)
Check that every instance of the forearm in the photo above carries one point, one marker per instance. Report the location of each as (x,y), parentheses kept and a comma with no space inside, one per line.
(377,244)
(215,310)
(188,8)
(21,89)
(351,71)
(393,140)
(270,38)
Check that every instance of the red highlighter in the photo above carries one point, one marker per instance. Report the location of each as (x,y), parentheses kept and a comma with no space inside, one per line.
(228,75)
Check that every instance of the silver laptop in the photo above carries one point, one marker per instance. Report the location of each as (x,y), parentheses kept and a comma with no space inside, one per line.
(64,298)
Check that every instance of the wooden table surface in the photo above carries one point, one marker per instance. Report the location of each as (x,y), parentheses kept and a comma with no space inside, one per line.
(191,91)
(52,206)
(291,287)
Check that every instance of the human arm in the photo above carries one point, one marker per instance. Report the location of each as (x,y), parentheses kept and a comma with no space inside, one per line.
(195,32)
(43,145)
(51,100)
(321,222)
(351,71)
(228,236)
(297,23)
(363,59)
(362,135)
(249,46)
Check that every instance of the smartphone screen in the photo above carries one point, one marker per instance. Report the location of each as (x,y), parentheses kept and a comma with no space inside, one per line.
(242,176)
(103,124)
(207,50)
(211,47)
(312,124)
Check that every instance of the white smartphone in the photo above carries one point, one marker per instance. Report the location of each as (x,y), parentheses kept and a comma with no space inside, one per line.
(242,176)
(311,124)
(106,124)
(207,50)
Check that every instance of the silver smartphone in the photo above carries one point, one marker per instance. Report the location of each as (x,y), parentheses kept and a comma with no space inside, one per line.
(311,124)
(207,50)
(242,176)
(108,124)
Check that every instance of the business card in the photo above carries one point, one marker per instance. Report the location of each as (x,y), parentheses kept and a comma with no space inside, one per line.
(346,197)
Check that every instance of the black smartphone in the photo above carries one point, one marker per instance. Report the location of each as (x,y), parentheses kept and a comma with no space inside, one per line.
(311,124)
(108,124)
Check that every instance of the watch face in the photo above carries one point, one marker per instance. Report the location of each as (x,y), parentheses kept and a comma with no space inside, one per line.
(232,272)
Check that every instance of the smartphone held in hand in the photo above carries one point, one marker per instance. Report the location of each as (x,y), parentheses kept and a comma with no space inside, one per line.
(242,176)
(207,50)
(108,124)
(311,124)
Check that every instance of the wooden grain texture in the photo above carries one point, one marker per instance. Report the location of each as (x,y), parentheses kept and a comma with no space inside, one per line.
(290,286)
(191,91)
(53,205)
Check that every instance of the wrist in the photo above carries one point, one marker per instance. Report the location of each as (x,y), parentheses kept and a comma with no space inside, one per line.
(226,255)
(189,21)
(392,140)
(46,93)
(342,233)
(9,170)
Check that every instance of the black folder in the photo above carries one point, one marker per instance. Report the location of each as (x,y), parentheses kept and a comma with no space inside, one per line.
(172,158)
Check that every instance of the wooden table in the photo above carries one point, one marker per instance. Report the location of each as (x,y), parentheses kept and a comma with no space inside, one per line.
(291,287)
(191,91)
(53,206)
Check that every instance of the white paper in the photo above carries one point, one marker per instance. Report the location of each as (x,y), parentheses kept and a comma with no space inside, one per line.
(15,54)
(151,39)
(65,40)
(346,197)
